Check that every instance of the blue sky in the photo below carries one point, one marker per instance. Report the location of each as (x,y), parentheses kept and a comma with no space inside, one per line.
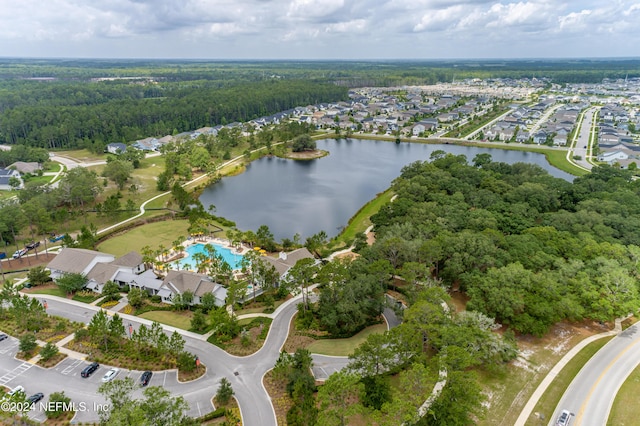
(319,29)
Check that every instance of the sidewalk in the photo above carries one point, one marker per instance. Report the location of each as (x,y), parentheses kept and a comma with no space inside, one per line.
(60,344)
(551,375)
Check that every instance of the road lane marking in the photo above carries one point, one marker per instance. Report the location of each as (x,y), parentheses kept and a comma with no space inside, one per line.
(595,385)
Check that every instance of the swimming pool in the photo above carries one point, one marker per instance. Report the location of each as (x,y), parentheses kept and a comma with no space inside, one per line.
(233,259)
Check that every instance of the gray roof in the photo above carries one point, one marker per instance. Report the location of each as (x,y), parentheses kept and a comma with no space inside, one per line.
(102,272)
(287,260)
(147,279)
(24,167)
(131,260)
(182,281)
(74,260)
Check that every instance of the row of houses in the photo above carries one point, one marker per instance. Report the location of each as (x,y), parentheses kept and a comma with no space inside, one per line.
(615,143)
(528,123)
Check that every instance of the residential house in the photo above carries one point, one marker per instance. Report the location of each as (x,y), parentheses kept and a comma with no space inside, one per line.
(286,261)
(75,260)
(115,148)
(179,282)
(25,167)
(5,178)
(611,157)
(147,144)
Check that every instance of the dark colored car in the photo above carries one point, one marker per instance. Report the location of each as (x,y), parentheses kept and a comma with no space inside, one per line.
(3,337)
(35,397)
(90,369)
(32,245)
(145,378)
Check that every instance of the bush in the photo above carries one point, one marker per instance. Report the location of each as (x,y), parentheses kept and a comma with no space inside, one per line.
(156,299)
(49,351)
(186,362)
(27,343)
(57,409)
(225,392)
(81,334)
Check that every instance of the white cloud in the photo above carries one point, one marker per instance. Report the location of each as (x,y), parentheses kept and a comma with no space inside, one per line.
(344,28)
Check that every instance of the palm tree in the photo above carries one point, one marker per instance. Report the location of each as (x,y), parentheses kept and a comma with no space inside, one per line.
(161,250)
(177,244)
(147,256)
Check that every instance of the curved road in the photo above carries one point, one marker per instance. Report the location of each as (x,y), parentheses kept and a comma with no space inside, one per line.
(244,373)
(592,392)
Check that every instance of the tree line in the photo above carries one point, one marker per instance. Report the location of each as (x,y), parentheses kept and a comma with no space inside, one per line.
(89,117)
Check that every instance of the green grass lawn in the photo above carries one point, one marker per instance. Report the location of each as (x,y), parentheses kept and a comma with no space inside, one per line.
(178,319)
(152,234)
(625,409)
(344,347)
(258,310)
(53,291)
(362,219)
(81,155)
(4,195)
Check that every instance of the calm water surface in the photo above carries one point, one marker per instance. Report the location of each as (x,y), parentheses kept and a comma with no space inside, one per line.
(306,197)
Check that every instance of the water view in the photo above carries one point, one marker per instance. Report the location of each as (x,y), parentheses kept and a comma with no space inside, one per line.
(306,197)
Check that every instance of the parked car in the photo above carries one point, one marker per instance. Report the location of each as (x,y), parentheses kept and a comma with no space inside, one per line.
(16,390)
(3,337)
(89,369)
(32,245)
(564,418)
(19,253)
(3,255)
(56,238)
(110,375)
(35,397)
(145,378)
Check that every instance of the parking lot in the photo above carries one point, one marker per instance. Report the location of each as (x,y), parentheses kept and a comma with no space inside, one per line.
(84,391)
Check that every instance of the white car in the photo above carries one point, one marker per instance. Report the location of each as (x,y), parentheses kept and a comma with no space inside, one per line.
(564,418)
(16,390)
(110,375)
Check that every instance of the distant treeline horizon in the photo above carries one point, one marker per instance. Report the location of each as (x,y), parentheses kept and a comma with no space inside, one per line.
(88,103)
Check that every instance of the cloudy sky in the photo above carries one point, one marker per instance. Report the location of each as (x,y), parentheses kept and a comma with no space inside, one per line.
(319,29)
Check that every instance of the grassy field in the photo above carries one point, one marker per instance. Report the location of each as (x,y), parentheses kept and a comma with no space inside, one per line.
(152,235)
(53,291)
(361,220)
(81,155)
(344,347)
(551,397)
(624,411)
(509,389)
(178,319)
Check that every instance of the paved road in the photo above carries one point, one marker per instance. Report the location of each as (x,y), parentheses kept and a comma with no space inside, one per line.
(580,144)
(244,373)
(592,392)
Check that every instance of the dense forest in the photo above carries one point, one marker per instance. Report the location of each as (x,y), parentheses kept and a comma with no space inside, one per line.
(63,115)
(53,104)
(528,249)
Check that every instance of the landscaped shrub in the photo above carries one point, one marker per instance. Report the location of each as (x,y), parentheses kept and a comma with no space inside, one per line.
(49,351)
(109,304)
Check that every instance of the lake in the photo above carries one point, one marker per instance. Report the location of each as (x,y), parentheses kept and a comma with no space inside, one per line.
(306,197)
